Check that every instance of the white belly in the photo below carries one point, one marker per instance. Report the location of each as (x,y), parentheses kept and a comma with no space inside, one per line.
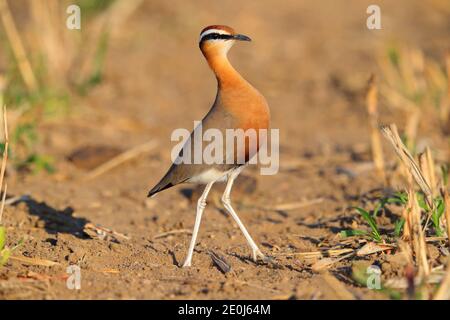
(209,176)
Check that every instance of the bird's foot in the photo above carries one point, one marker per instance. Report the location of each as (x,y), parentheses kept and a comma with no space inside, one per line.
(187,263)
(256,253)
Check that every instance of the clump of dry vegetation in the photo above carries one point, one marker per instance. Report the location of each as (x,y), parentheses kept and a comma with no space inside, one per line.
(50,65)
(420,87)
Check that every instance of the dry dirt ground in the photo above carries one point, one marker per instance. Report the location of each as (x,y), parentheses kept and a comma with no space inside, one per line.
(311,59)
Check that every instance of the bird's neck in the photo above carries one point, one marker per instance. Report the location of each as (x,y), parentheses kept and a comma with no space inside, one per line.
(226,75)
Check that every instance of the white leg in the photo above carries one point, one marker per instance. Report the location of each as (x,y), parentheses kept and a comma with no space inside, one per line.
(226,200)
(201,204)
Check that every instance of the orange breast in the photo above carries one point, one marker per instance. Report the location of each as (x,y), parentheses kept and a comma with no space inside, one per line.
(250,110)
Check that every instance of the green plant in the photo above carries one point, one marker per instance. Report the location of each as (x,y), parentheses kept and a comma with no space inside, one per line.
(37,163)
(444,172)
(96,75)
(92,7)
(6,252)
(437,214)
(54,84)
(374,235)
(22,150)
(399,198)
(399,224)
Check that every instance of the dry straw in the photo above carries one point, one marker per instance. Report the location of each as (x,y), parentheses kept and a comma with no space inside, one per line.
(391,133)
(447,212)
(372,110)
(17,46)
(427,166)
(418,237)
(412,213)
(4,160)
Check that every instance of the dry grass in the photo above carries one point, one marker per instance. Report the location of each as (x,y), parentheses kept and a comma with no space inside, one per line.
(415,250)
(417,235)
(121,158)
(72,52)
(447,211)
(417,85)
(4,161)
(17,46)
(391,133)
(372,109)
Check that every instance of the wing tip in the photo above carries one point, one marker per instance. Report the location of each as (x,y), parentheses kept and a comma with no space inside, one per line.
(157,189)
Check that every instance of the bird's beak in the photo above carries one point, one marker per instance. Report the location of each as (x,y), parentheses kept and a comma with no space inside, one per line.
(241,37)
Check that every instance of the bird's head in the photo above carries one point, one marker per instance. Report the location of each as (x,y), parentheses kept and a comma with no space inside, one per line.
(217,40)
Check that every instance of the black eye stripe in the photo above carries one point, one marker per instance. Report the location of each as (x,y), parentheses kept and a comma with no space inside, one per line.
(216,36)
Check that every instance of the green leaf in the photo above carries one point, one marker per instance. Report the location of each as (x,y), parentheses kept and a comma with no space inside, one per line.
(400,198)
(421,201)
(352,233)
(372,223)
(2,237)
(394,56)
(40,162)
(444,170)
(437,214)
(379,206)
(399,226)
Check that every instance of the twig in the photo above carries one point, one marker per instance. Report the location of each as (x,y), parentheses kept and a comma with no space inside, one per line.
(35,261)
(318,254)
(2,205)
(16,199)
(102,232)
(121,158)
(325,263)
(288,206)
(17,46)
(169,233)
(5,158)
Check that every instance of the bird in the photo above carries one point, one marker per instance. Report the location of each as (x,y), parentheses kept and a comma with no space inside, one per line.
(238,105)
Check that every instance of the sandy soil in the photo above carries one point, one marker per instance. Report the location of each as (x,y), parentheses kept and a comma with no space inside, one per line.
(311,59)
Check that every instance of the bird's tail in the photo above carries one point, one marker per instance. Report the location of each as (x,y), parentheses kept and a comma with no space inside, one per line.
(159,187)
(170,179)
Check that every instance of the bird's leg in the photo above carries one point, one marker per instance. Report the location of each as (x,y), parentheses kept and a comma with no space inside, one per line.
(201,204)
(226,200)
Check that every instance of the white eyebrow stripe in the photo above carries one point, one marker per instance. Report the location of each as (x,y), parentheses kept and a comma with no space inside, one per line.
(219,31)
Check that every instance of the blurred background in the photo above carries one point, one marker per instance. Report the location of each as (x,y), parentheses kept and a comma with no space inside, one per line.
(134,71)
(118,87)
